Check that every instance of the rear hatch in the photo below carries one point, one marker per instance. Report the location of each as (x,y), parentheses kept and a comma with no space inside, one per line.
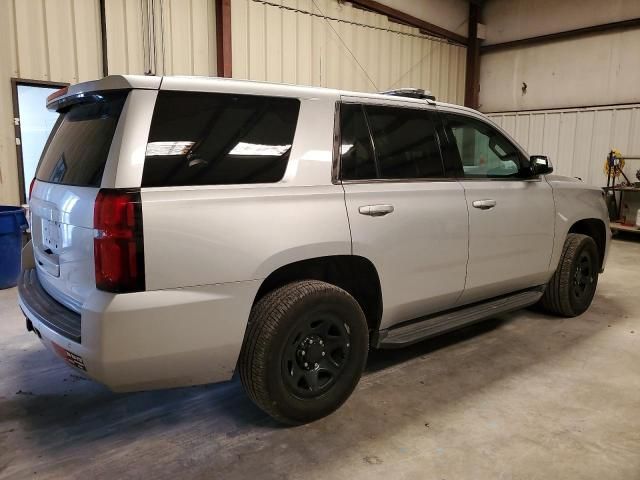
(68,179)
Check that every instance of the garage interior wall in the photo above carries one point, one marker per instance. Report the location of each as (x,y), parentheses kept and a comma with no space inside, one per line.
(53,40)
(581,97)
(331,44)
(61,41)
(450,14)
(161,37)
(578,140)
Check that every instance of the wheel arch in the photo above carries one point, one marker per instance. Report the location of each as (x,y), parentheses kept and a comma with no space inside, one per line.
(594,228)
(355,274)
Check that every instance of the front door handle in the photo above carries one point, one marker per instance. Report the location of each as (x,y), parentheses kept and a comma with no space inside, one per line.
(484,204)
(375,210)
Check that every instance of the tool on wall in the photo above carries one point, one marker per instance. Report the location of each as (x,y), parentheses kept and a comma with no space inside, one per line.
(614,169)
(613,166)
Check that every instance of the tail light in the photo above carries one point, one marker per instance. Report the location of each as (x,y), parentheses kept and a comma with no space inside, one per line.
(118,245)
(33,181)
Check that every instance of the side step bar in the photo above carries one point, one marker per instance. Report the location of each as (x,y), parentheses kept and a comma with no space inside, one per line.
(430,326)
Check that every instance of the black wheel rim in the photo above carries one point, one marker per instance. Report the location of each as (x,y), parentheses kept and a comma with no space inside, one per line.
(315,355)
(584,276)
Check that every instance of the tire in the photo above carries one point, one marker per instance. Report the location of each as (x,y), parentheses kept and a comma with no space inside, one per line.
(304,351)
(573,285)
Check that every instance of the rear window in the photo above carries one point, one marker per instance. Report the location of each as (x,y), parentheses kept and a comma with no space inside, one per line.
(78,146)
(216,139)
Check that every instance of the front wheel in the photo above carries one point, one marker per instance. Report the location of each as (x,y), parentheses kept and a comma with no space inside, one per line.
(304,352)
(572,287)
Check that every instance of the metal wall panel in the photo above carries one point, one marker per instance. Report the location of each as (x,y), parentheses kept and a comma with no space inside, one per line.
(578,140)
(188,37)
(325,43)
(125,36)
(600,69)
(163,37)
(61,41)
(51,40)
(56,40)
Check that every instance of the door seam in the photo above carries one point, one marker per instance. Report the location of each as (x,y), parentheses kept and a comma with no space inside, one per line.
(466,271)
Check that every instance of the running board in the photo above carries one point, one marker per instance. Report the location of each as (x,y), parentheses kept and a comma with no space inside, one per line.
(430,326)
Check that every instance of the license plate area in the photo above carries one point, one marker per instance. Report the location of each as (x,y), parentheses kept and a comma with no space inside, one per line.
(51,235)
(46,250)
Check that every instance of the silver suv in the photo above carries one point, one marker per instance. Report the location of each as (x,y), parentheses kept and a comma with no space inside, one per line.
(184,229)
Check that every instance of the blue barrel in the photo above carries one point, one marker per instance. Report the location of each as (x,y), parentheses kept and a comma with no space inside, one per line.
(12,224)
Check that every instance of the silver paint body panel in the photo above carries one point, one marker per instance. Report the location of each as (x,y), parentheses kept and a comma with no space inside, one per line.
(208,248)
(510,245)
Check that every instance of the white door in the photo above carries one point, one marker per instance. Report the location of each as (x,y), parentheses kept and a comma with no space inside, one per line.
(511,218)
(34,124)
(404,216)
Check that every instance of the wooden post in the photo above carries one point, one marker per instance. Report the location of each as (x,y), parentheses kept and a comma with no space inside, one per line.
(223,37)
(472,81)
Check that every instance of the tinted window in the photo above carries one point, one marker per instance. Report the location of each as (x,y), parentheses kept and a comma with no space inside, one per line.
(214,139)
(77,149)
(484,151)
(405,142)
(356,152)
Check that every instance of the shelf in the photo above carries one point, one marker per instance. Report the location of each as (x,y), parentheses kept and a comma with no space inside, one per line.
(623,189)
(623,228)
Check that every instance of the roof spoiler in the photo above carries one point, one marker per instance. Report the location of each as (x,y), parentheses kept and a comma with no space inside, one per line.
(81,92)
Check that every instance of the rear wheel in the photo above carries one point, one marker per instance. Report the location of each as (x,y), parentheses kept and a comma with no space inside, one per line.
(304,352)
(573,285)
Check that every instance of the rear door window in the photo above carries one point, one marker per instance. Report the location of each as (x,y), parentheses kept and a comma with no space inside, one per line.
(357,160)
(217,139)
(77,149)
(405,142)
(388,142)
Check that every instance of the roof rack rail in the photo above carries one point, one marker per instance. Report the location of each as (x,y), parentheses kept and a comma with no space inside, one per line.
(411,93)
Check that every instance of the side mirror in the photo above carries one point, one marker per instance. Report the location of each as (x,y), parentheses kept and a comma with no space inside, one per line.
(540,165)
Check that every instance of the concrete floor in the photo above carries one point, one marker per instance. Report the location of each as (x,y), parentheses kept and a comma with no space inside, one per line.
(521,396)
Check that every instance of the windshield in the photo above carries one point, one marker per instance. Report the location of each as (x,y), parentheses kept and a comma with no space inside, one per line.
(77,149)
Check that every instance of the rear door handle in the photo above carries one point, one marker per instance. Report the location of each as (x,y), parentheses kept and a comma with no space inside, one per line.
(376,210)
(484,204)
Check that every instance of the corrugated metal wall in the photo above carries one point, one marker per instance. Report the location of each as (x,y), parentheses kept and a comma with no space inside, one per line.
(55,40)
(578,140)
(165,37)
(60,41)
(325,43)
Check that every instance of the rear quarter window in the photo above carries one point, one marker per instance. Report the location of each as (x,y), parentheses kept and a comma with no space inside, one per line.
(217,139)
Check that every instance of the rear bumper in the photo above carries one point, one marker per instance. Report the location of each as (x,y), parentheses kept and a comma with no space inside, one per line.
(45,309)
(147,340)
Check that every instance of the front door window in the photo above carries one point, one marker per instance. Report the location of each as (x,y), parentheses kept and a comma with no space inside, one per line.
(484,152)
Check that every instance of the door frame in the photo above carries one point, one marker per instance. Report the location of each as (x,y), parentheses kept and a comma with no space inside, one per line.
(15,82)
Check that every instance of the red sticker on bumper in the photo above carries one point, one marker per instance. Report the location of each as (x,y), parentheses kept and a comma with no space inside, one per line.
(69,357)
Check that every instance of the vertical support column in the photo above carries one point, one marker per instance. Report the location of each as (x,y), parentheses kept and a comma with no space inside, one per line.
(103,36)
(223,37)
(472,81)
